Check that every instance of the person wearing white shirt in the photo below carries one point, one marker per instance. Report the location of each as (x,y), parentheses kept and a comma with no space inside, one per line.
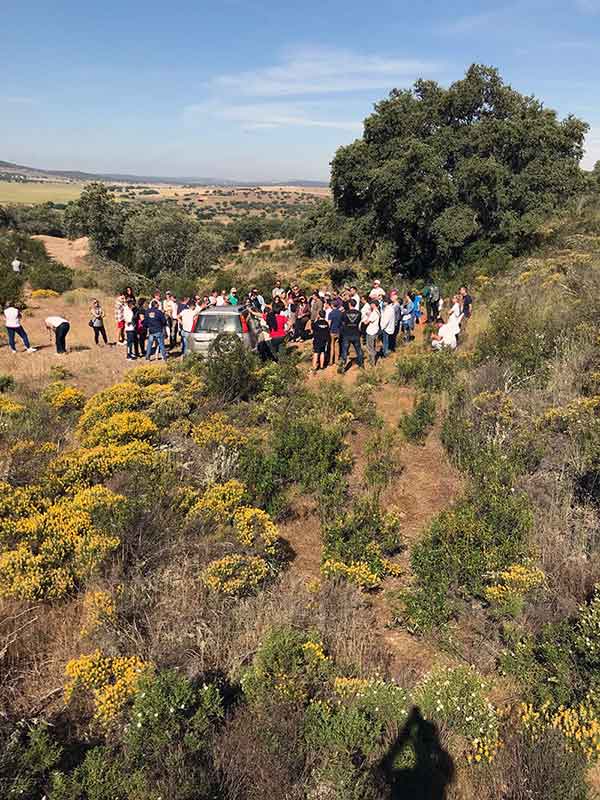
(377,293)
(16,265)
(130,318)
(445,337)
(59,326)
(187,319)
(373,331)
(12,320)
(388,326)
(355,296)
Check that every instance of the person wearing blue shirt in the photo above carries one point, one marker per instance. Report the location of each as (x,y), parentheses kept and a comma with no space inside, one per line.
(335,325)
(155,322)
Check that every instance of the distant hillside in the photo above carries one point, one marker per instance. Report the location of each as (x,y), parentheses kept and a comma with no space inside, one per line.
(75,175)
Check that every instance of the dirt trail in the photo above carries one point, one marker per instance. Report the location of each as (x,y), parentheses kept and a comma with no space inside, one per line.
(70,253)
(425,484)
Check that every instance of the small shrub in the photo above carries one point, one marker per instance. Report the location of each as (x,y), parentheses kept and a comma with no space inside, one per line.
(230,370)
(416,425)
(236,575)
(10,408)
(121,428)
(109,683)
(216,430)
(457,698)
(120,397)
(50,275)
(7,383)
(63,398)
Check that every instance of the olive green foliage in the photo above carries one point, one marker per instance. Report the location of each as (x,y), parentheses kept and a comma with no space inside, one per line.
(438,169)
(361,533)
(7,382)
(484,532)
(416,425)
(96,214)
(32,255)
(43,218)
(27,755)
(560,664)
(230,369)
(431,372)
(51,275)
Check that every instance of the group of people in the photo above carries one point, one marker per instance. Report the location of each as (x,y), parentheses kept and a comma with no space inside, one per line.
(336,322)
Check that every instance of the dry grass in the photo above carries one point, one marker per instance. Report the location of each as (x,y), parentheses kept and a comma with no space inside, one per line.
(93,368)
(46,192)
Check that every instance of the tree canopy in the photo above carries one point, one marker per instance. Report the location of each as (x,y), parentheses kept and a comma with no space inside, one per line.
(438,169)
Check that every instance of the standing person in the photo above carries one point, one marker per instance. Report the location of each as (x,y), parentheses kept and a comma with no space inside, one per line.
(14,327)
(129,294)
(170,312)
(354,295)
(302,318)
(222,298)
(407,318)
(212,299)
(350,335)
(321,341)
(119,319)
(365,311)
(141,328)
(277,293)
(397,318)
(60,327)
(316,306)
(377,292)
(97,321)
(260,332)
(187,322)
(417,299)
(155,322)
(335,325)
(372,331)
(16,265)
(156,297)
(388,326)
(233,298)
(455,312)
(432,294)
(467,302)
(277,323)
(130,317)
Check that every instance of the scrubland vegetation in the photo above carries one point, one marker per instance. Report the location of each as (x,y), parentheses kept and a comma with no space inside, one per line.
(157,638)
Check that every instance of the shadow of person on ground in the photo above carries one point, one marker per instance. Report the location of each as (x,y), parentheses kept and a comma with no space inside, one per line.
(416,766)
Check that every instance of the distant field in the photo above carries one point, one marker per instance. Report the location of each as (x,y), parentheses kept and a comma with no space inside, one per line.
(39,192)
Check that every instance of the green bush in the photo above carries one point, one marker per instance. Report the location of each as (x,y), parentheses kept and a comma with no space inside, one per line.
(51,275)
(416,425)
(484,532)
(431,372)
(7,383)
(230,370)
(27,757)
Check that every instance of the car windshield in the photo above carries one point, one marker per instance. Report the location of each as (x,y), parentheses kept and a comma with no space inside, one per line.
(218,323)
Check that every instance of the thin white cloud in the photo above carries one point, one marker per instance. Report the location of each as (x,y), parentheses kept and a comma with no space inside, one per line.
(259,116)
(317,71)
(472,23)
(22,101)
(588,6)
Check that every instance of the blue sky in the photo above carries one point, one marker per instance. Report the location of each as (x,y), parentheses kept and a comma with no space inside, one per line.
(262,89)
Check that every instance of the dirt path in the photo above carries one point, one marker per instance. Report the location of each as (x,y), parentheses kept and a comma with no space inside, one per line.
(425,484)
(70,253)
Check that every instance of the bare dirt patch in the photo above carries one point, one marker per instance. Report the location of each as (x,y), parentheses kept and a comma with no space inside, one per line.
(71,253)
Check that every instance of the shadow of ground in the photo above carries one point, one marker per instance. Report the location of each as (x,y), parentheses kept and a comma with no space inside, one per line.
(416,766)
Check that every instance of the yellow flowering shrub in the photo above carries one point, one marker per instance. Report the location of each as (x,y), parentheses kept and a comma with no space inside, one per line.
(63,398)
(16,504)
(358,572)
(98,607)
(150,374)
(512,585)
(53,550)
(40,294)
(125,396)
(121,428)
(87,466)
(109,682)
(219,502)
(252,524)
(580,725)
(10,408)
(216,430)
(236,574)
(313,652)
(577,414)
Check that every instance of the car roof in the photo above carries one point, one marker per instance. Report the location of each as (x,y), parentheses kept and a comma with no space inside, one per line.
(222,310)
